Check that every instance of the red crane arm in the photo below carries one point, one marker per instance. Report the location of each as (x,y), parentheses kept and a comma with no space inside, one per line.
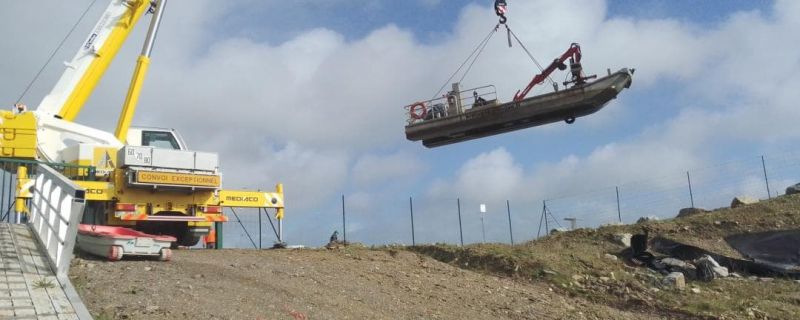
(574,53)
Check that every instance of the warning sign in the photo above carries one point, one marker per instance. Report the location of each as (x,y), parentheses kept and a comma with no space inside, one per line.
(178,179)
(104,160)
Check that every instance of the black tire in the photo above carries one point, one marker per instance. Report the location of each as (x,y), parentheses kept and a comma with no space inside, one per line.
(188,239)
(570,120)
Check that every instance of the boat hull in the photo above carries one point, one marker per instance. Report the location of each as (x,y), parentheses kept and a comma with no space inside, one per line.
(576,102)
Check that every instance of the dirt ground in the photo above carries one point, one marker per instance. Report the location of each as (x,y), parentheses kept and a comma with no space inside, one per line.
(349,283)
(572,275)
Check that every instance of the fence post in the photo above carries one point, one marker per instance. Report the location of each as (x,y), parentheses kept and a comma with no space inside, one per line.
(510,231)
(619,211)
(259,229)
(344,223)
(2,187)
(460,230)
(546,219)
(411,207)
(766,180)
(691,194)
(218,234)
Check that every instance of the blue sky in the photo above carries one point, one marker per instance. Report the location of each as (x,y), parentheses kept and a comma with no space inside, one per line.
(310,94)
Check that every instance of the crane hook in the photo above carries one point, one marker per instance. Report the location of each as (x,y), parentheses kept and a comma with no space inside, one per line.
(500,10)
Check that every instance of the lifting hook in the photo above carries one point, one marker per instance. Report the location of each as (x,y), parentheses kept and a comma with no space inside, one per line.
(500,10)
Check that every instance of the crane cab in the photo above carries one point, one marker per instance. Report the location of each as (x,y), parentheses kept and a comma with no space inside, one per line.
(162,138)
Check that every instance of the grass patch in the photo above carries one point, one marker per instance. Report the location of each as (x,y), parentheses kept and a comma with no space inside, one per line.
(44,284)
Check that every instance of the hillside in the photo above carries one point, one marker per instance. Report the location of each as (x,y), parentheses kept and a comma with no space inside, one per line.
(564,276)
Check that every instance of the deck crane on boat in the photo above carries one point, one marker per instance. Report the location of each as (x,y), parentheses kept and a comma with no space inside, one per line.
(462,115)
(142,178)
(578,78)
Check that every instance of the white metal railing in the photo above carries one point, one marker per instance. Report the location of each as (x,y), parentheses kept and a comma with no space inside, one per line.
(438,107)
(55,212)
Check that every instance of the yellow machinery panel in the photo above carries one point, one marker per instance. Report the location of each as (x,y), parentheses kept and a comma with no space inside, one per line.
(18,135)
(102,157)
(98,190)
(181,179)
(250,199)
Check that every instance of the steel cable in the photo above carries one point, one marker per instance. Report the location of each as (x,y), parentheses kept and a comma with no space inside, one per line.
(528,52)
(52,55)
(481,45)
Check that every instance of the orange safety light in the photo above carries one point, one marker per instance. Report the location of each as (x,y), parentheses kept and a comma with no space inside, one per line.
(211,209)
(125,207)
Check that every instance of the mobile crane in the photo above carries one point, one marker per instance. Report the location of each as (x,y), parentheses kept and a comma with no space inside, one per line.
(143,178)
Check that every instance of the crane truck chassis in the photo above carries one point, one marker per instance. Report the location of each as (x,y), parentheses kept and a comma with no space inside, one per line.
(143,178)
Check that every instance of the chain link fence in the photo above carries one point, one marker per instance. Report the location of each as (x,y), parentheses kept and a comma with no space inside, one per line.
(457,221)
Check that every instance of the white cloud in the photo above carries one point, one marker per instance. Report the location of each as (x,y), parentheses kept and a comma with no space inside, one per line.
(491,176)
(300,111)
(371,170)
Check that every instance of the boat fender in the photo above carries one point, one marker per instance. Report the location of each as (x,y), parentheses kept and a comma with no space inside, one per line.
(570,120)
(418,111)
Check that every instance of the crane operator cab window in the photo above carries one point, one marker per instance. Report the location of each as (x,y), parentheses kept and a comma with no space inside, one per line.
(160,139)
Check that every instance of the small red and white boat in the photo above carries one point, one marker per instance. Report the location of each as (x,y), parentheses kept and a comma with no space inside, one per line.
(116,242)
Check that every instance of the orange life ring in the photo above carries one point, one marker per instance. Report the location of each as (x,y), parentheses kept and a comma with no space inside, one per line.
(418,115)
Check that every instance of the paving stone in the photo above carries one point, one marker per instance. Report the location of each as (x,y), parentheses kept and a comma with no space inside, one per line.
(21,268)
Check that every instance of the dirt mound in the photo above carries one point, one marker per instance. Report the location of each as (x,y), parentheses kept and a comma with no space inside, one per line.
(316,284)
(589,264)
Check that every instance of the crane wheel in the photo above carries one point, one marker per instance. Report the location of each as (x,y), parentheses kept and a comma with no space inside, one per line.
(115,253)
(165,255)
(570,120)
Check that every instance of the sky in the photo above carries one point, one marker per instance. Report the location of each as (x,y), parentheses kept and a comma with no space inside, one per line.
(311,95)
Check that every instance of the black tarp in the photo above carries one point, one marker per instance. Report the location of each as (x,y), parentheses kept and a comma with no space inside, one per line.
(780,249)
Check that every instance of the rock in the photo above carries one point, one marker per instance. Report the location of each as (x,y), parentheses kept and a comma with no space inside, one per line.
(197,276)
(765,279)
(742,201)
(672,262)
(148,268)
(90,265)
(793,189)
(675,280)
(577,277)
(675,265)
(151,309)
(655,290)
(623,239)
(688,212)
(721,272)
(605,279)
(646,219)
(705,268)
(797,281)
(610,257)
(549,272)
(695,290)
(709,263)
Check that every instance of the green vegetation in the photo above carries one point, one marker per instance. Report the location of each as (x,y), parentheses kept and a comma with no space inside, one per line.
(43,284)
